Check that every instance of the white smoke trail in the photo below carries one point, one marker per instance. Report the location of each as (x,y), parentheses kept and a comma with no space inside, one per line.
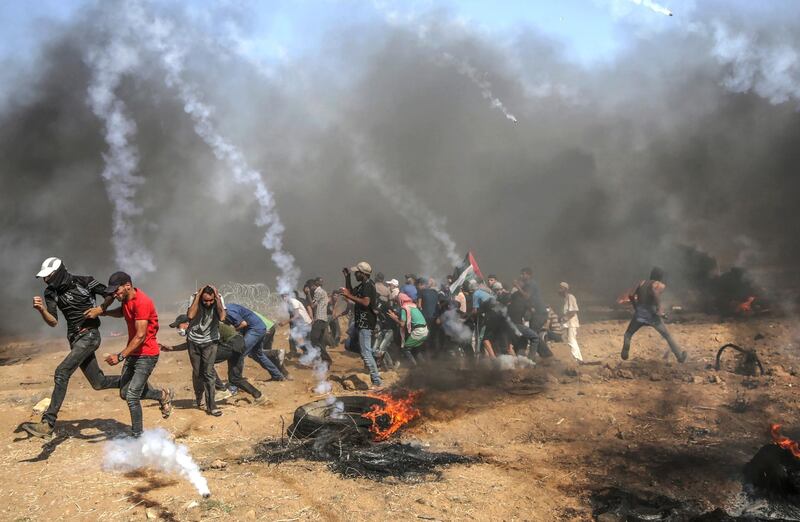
(156,35)
(108,64)
(154,449)
(660,9)
(461,66)
(435,259)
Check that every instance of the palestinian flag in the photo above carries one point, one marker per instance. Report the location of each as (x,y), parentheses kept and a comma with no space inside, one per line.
(468,269)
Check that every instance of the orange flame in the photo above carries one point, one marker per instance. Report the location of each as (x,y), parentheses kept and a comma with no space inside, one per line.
(745,306)
(784,442)
(396,413)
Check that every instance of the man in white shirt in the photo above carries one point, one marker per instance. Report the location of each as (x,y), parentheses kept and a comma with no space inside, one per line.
(300,322)
(569,317)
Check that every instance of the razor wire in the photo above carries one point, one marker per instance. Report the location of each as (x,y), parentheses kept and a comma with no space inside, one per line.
(255,296)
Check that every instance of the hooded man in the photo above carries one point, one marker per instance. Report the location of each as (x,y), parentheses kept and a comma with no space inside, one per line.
(646,301)
(73,295)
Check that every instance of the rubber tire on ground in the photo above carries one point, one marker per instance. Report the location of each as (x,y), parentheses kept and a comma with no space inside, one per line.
(312,417)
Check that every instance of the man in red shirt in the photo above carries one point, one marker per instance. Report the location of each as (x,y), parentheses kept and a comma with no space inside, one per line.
(141,353)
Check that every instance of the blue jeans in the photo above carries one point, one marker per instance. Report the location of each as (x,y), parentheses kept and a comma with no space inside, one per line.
(365,343)
(253,340)
(134,387)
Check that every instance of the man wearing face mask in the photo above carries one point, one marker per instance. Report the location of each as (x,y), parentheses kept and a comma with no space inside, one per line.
(73,295)
(363,297)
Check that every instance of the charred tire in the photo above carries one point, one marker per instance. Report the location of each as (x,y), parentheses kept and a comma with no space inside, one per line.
(313,417)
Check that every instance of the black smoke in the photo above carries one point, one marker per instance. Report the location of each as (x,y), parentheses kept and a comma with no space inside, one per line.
(610,168)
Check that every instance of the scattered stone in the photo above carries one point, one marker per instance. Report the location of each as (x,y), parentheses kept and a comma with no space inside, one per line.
(191,505)
(571,372)
(42,405)
(585,379)
(696,379)
(625,374)
(151,513)
(655,377)
(552,379)
(219,464)
(606,373)
(715,379)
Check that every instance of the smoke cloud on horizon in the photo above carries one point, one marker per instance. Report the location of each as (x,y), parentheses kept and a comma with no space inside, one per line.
(688,137)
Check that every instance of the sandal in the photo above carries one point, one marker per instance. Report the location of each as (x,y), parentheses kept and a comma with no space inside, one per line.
(167,396)
(216,412)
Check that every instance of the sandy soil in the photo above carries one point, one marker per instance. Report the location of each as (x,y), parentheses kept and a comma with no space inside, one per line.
(643,424)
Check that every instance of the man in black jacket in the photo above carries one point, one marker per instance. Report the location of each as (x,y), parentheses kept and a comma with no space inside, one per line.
(73,295)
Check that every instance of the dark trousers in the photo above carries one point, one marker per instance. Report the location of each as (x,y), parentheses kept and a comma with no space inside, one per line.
(133,386)
(319,338)
(335,331)
(526,335)
(202,357)
(81,355)
(659,326)
(235,360)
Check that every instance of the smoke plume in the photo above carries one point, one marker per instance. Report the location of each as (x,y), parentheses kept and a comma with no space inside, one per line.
(154,449)
(687,136)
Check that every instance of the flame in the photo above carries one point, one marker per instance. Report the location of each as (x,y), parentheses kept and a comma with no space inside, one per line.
(784,442)
(745,306)
(396,413)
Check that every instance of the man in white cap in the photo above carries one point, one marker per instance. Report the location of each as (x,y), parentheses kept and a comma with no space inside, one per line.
(569,317)
(364,298)
(73,295)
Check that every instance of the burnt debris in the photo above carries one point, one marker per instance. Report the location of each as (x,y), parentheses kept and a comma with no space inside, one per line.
(746,363)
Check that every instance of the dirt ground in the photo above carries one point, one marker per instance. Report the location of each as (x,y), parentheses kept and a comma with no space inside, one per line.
(643,424)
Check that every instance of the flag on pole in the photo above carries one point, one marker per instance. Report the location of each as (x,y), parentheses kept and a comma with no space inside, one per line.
(468,269)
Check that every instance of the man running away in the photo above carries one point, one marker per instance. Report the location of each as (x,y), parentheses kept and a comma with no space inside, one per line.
(73,295)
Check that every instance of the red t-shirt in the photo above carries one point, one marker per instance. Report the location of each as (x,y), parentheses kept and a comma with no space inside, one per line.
(141,308)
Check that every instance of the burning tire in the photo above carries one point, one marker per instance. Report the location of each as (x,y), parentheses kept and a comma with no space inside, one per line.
(313,417)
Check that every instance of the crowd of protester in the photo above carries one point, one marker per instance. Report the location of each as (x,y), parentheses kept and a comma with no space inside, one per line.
(420,322)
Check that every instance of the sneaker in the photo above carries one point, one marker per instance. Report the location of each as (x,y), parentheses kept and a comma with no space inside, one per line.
(38,429)
(165,402)
(281,356)
(682,357)
(624,354)
(262,399)
(222,395)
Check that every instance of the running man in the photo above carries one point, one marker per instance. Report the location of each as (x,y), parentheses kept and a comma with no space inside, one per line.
(73,295)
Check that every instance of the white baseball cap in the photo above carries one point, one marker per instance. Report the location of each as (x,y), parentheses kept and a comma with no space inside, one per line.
(50,265)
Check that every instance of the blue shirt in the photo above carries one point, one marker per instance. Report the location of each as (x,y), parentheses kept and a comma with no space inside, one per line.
(410,291)
(235,314)
(479,296)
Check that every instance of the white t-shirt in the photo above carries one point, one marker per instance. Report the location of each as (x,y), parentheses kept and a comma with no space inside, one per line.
(298,312)
(571,305)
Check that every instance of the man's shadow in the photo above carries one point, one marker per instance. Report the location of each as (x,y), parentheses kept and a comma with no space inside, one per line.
(109,428)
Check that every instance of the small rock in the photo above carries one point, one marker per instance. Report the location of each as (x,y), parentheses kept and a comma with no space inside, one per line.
(655,377)
(191,505)
(696,379)
(151,513)
(715,379)
(585,379)
(606,373)
(552,379)
(250,515)
(571,372)
(42,405)
(625,374)
(219,464)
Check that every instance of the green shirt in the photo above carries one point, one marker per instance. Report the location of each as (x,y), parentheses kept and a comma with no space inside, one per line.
(417,319)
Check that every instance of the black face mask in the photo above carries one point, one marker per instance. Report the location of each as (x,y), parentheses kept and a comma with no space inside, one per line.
(60,278)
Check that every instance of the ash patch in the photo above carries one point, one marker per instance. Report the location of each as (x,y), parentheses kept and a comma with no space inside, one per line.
(351,455)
